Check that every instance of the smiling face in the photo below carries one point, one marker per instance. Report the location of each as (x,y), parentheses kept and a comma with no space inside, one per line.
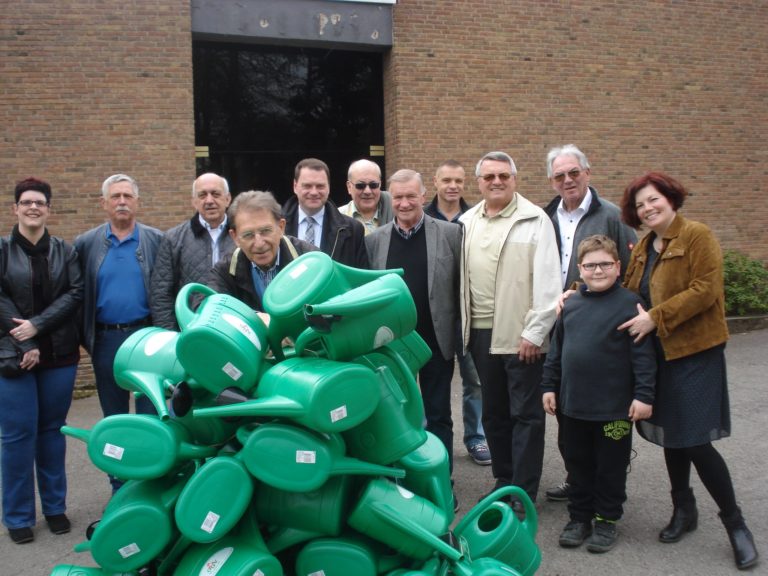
(31,210)
(449,183)
(211,199)
(407,202)
(497,183)
(311,189)
(605,270)
(654,209)
(366,199)
(569,180)
(258,234)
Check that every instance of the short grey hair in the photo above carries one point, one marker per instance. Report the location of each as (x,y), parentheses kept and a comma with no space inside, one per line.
(406,175)
(359,165)
(114,179)
(253,201)
(499,157)
(567,150)
(224,182)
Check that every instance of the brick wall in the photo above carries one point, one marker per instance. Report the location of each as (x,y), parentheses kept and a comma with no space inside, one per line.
(90,88)
(676,86)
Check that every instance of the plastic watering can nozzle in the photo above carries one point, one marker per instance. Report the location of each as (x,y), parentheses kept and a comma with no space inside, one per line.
(79,433)
(151,385)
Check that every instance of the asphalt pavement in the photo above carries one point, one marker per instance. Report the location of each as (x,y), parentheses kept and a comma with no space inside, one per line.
(705,551)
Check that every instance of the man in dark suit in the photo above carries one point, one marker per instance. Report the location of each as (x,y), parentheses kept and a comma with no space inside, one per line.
(311,216)
(428,251)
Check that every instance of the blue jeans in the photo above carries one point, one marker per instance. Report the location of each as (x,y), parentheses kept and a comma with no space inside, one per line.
(112,398)
(33,408)
(471,401)
(435,383)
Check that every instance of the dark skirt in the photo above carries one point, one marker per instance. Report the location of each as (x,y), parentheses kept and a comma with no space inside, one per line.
(691,406)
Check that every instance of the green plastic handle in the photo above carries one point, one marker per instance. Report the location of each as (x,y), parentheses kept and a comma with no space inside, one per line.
(184,314)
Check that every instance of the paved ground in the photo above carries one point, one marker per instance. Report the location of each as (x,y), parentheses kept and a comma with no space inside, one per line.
(706,551)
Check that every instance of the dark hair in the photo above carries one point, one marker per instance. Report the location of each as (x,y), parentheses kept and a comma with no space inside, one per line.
(667,186)
(32,183)
(595,243)
(311,164)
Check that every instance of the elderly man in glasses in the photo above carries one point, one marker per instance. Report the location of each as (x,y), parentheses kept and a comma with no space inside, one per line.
(510,284)
(370,205)
(577,213)
(263,249)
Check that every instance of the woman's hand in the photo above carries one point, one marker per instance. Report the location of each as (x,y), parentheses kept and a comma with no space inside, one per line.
(30,359)
(24,331)
(550,403)
(640,411)
(639,326)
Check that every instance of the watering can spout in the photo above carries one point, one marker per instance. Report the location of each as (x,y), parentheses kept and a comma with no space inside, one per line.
(79,433)
(353,307)
(148,384)
(273,406)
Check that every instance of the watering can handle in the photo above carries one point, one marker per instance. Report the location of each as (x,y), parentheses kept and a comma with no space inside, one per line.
(184,314)
(392,518)
(530,523)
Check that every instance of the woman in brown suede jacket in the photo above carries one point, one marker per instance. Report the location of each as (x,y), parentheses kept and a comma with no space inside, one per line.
(678,268)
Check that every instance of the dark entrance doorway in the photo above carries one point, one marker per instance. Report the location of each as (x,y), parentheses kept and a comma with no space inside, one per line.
(261,109)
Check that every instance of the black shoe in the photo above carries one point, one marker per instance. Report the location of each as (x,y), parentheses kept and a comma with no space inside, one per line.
(58,523)
(21,535)
(685,517)
(603,537)
(744,551)
(558,493)
(518,508)
(456,504)
(575,533)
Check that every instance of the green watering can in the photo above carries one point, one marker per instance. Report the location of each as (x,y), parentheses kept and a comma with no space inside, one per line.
(136,526)
(280,538)
(320,394)
(72,570)
(492,529)
(322,511)
(358,321)
(402,520)
(146,363)
(221,344)
(312,277)
(412,350)
(241,552)
(427,473)
(396,426)
(351,554)
(298,460)
(138,446)
(214,499)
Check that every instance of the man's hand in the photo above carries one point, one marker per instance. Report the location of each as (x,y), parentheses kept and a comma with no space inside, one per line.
(550,403)
(529,352)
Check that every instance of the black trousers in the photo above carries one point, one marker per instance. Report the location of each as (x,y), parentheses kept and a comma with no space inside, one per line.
(597,455)
(513,416)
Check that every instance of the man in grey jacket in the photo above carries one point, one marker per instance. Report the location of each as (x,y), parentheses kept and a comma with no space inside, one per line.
(578,212)
(116,259)
(189,251)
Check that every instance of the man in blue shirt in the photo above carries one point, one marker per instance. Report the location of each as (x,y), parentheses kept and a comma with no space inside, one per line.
(116,259)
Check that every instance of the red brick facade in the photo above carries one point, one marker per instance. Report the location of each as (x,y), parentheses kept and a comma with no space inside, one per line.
(91,88)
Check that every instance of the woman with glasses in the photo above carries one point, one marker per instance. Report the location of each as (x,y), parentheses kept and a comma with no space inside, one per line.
(678,268)
(40,293)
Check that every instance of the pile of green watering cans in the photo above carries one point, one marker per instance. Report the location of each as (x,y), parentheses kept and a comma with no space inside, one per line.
(296,447)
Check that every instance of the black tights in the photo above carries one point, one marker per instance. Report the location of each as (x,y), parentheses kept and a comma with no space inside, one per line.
(711,468)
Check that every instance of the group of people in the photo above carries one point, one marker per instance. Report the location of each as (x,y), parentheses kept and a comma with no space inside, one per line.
(487,282)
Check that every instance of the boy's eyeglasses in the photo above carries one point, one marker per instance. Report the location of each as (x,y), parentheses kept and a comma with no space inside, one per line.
(372,185)
(573,174)
(604,266)
(30,203)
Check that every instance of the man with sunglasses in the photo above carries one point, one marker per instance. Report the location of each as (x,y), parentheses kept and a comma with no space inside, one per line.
(577,212)
(510,284)
(311,216)
(370,205)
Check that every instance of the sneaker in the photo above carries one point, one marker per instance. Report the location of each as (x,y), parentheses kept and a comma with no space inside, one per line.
(21,535)
(558,493)
(58,523)
(575,533)
(603,537)
(480,454)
